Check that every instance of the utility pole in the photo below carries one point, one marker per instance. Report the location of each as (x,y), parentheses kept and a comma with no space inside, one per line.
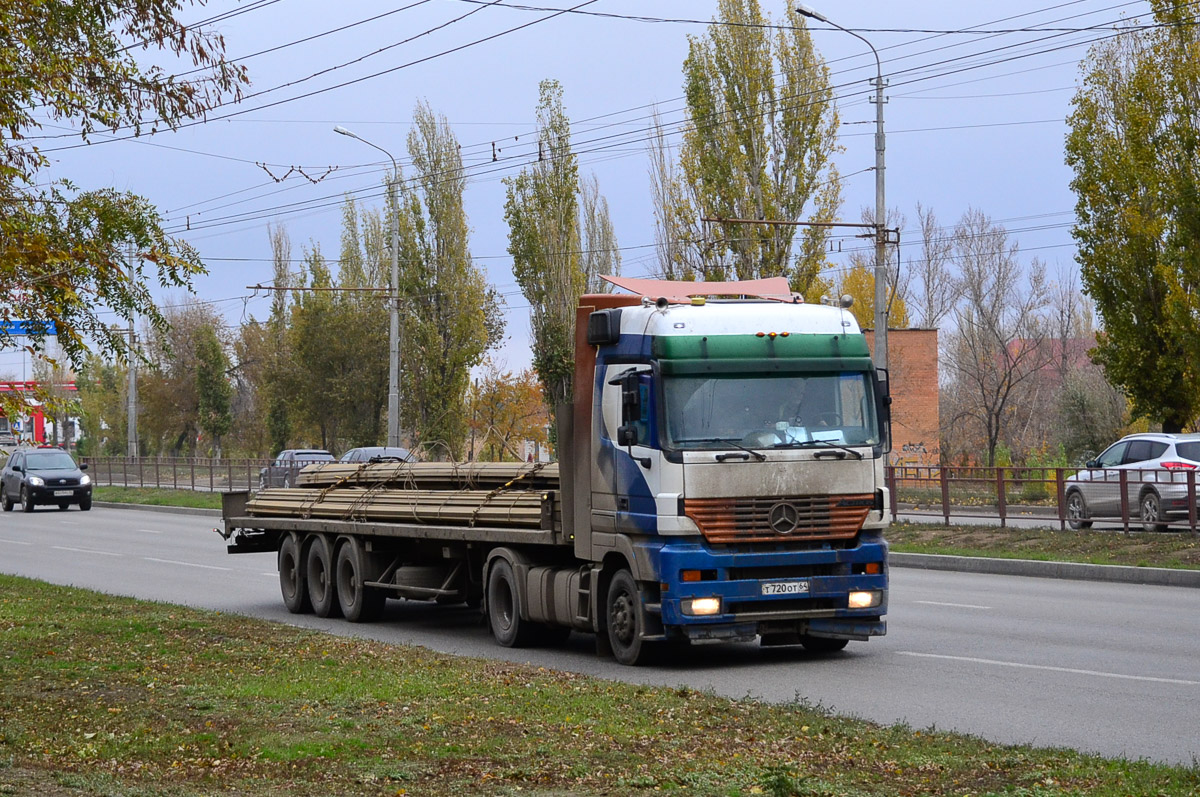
(881,322)
(131,432)
(393,415)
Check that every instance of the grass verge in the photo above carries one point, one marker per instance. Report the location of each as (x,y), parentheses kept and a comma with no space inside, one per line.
(1136,549)
(107,695)
(155,496)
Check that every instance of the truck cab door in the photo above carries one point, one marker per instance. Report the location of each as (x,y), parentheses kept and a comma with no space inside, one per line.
(628,481)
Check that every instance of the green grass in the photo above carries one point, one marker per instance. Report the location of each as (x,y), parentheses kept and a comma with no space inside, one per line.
(158,497)
(1180,550)
(107,695)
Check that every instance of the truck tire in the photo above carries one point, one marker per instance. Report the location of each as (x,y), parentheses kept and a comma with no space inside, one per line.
(504,608)
(623,619)
(358,602)
(321,577)
(291,576)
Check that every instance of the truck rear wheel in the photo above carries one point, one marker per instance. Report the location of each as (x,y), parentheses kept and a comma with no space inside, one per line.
(291,576)
(623,619)
(358,602)
(320,574)
(504,608)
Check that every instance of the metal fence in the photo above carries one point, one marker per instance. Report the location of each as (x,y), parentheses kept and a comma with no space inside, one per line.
(179,473)
(1129,498)
(1113,496)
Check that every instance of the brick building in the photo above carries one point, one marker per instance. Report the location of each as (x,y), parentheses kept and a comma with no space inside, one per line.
(913,370)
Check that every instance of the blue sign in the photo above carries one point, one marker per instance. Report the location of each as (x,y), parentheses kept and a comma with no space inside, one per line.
(27,327)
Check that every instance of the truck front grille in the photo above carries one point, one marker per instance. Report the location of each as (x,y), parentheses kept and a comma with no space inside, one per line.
(729,521)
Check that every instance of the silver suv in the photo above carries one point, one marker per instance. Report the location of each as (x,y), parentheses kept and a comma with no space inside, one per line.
(1156,481)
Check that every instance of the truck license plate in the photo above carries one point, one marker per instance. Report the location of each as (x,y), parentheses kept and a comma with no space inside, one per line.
(785,588)
(61,493)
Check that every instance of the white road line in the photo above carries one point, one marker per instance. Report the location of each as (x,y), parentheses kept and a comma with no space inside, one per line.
(186,564)
(69,522)
(1069,670)
(954,605)
(149,531)
(84,550)
(268,575)
(15,542)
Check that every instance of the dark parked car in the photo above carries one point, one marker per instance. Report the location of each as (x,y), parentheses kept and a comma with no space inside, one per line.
(286,467)
(378,454)
(45,475)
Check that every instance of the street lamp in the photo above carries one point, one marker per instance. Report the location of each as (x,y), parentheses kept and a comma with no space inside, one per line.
(881,351)
(393,416)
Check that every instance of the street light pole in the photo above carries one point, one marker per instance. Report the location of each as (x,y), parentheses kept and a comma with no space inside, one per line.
(393,411)
(881,323)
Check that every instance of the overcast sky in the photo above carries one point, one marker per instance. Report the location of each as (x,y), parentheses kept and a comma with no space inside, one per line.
(977,97)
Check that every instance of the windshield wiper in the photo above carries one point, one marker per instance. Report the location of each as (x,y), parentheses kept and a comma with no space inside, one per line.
(826,443)
(760,456)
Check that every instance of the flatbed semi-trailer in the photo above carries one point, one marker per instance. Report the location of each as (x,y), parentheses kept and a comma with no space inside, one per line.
(720,478)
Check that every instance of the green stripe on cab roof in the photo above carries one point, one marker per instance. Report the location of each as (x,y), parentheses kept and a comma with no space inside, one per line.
(741,347)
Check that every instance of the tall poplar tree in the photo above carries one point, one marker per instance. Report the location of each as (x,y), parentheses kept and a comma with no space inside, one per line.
(558,251)
(213,391)
(450,315)
(761,133)
(1134,145)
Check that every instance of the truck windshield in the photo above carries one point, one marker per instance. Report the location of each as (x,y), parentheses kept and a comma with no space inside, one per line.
(770,411)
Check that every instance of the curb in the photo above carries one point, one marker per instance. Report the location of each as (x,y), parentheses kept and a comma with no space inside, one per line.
(1154,576)
(174,510)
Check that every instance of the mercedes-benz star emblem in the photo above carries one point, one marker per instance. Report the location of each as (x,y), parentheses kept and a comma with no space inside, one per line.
(783,518)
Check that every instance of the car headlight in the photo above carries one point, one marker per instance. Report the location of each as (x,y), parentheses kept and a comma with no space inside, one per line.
(36,481)
(85,479)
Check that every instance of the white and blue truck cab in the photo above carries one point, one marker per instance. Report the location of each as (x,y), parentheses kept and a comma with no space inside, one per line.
(730,454)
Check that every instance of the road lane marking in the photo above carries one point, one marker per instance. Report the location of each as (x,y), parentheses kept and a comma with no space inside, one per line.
(954,605)
(149,531)
(186,564)
(1069,670)
(84,550)
(15,542)
(69,522)
(268,575)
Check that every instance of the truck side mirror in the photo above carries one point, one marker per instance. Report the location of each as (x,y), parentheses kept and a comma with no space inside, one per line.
(883,403)
(627,435)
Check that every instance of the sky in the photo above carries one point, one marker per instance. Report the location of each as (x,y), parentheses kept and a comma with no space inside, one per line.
(977,96)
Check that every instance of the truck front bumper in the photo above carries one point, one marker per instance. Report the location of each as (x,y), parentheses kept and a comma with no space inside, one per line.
(766,592)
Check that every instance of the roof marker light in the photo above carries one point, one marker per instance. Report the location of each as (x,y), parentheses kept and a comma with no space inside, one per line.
(760,334)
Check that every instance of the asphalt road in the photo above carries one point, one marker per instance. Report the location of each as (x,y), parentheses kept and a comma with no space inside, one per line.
(1106,668)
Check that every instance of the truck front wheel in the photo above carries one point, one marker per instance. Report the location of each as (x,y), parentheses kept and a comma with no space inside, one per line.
(504,607)
(623,619)
(322,587)
(358,602)
(291,576)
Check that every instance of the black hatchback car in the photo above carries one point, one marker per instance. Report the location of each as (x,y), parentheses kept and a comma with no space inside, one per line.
(44,475)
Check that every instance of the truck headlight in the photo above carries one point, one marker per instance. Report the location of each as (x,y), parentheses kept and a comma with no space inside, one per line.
(36,481)
(702,607)
(865,600)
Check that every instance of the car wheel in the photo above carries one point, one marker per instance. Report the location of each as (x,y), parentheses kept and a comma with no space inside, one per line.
(1152,516)
(287,482)
(85,504)
(1077,511)
(5,501)
(26,500)
(61,506)
(262,481)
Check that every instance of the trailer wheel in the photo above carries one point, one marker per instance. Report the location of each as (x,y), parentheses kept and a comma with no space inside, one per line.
(504,608)
(320,574)
(358,602)
(624,620)
(291,576)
